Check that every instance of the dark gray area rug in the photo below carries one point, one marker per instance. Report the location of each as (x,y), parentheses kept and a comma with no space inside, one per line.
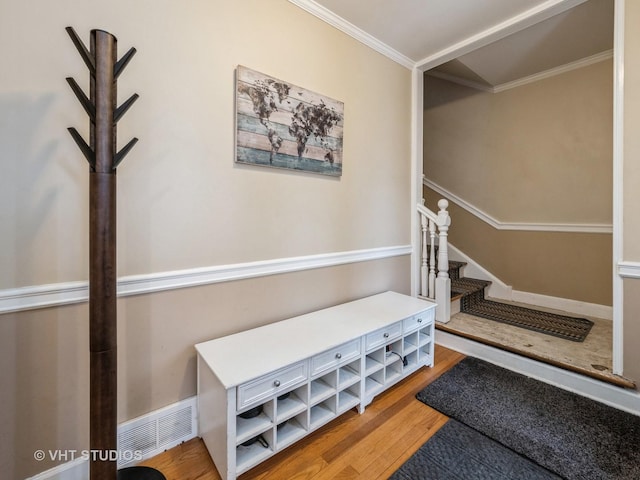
(573,436)
(459,452)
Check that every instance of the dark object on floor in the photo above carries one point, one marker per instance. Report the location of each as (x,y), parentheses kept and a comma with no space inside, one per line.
(140,473)
(459,452)
(573,436)
(569,328)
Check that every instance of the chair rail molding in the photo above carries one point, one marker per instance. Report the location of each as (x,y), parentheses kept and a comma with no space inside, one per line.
(43,296)
(522,226)
(629,269)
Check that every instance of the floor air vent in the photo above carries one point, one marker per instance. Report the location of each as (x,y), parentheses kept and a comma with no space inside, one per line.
(146,436)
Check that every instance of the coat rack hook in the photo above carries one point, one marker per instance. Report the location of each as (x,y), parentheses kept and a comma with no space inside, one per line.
(122,153)
(122,109)
(84,148)
(82,49)
(123,62)
(89,107)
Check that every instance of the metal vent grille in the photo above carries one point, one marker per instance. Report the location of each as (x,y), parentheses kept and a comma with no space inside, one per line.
(174,426)
(151,434)
(140,438)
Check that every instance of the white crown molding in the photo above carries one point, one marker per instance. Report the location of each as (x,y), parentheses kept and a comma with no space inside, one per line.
(42,296)
(536,77)
(552,72)
(341,24)
(461,81)
(512,25)
(629,269)
(520,226)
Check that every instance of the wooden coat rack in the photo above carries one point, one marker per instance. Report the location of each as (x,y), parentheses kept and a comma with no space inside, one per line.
(103,112)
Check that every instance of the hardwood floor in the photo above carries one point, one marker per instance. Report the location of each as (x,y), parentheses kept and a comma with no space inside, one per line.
(370,446)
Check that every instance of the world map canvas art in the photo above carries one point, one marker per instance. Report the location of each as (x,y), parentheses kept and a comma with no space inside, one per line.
(284,126)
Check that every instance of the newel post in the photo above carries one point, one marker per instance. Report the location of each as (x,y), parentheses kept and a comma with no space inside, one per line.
(443,282)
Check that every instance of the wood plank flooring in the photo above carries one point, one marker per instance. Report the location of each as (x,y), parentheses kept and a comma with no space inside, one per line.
(370,446)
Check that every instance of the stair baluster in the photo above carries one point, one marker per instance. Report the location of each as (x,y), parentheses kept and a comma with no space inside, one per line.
(436,286)
(424,267)
(432,259)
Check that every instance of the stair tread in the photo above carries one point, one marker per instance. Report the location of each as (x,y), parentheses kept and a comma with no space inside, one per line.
(465,284)
(456,264)
(456,296)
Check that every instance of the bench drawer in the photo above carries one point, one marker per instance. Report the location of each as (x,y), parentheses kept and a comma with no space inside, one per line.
(335,356)
(269,385)
(420,320)
(382,336)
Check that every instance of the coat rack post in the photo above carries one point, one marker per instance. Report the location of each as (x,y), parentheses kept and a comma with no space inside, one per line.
(102,266)
(103,158)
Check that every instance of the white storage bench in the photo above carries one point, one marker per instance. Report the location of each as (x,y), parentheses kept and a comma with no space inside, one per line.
(263,389)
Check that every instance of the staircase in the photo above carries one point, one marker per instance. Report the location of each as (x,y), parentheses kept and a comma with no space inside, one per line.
(441,280)
(465,291)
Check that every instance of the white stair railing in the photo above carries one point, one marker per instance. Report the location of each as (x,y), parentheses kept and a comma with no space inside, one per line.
(435,283)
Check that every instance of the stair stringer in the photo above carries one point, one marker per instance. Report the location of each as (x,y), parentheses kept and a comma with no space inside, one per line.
(501,291)
(498,289)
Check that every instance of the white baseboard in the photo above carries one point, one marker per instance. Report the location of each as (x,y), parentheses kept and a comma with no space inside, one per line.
(77,469)
(501,291)
(617,397)
(147,436)
(575,307)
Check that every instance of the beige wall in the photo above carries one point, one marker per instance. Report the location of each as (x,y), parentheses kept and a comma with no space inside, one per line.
(44,353)
(576,266)
(538,153)
(182,201)
(631,332)
(631,192)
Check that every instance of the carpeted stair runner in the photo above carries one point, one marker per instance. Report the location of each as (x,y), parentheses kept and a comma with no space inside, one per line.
(470,291)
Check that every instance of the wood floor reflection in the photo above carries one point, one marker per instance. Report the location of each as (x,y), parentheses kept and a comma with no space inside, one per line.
(368,446)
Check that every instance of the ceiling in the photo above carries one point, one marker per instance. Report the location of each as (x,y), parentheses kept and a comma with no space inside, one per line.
(420,30)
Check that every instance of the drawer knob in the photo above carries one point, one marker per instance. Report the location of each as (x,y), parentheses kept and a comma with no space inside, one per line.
(386,335)
(338,355)
(276,383)
(419,320)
